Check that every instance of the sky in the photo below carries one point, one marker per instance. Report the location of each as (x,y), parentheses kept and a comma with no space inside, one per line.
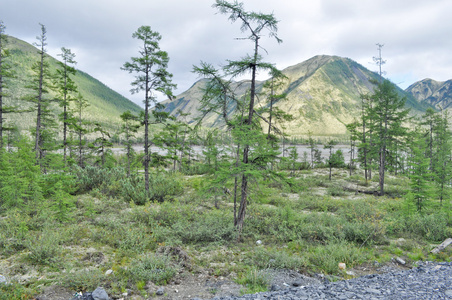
(416,34)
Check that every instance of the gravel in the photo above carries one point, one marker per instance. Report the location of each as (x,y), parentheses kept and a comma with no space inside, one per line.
(427,281)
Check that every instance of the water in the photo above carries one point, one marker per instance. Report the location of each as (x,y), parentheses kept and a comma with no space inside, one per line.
(197,151)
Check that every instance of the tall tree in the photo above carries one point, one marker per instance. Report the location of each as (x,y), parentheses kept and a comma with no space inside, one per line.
(152,76)
(40,85)
(6,73)
(66,87)
(254,24)
(389,115)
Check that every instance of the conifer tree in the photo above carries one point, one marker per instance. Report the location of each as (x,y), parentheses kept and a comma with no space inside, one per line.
(78,126)
(6,73)
(389,115)
(101,145)
(129,128)
(420,175)
(152,76)
(330,145)
(254,24)
(66,88)
(441,161)
(40,85)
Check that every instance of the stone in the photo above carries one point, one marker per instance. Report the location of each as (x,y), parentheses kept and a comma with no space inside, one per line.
(2,279)
(342,266)
(400,261)
(100,294)
(160,291)
(109,272)
(443,246)
(258,242)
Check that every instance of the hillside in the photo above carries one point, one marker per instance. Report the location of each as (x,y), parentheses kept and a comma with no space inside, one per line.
(435,93)
(105,105)
(323,94)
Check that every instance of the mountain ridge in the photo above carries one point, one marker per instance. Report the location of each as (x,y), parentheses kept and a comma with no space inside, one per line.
(435,93)
(323,95)
(106,105)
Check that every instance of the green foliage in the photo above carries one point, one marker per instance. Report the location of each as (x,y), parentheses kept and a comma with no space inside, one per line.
(326,258)
(83,280)
(156,268)
(44,248)
(15,291)
(276,258)
(20,178)
(255,281)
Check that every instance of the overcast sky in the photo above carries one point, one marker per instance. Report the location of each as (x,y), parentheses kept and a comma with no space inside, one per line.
(417,34)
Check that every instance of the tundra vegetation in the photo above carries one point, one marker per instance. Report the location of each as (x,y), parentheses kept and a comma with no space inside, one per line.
(66,217)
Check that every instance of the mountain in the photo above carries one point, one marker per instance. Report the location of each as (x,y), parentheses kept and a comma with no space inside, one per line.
(323,95)
(435,93)
(105,105)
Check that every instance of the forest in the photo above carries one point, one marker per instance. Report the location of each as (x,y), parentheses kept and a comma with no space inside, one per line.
(72,209)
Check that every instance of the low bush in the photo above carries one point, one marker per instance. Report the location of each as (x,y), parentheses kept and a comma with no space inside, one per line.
(156,268)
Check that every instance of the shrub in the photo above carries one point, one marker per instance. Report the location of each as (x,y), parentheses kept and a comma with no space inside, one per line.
(83,280)
(151,267)
(15,291)
(255,281)
(275,259)
(44,249)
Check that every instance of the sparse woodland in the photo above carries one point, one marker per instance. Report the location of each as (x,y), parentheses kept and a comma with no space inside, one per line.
(66,197)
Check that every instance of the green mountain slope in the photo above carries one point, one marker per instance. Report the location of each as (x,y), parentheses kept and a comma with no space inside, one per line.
(323,94)
(435,93)
(105,105)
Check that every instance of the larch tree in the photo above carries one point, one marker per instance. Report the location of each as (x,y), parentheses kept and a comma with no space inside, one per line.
(129,128)
(40,84)
(66,88)
(254,25)
(152,76)
(389,115)
(6,73)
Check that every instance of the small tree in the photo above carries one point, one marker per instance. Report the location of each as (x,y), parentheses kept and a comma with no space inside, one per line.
(129,129)
(330,160)
(420,175)
(101,145)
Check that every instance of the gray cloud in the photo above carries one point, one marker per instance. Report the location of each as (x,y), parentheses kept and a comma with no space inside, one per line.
(415,33)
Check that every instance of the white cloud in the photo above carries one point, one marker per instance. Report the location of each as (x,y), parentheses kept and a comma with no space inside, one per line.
(415,33)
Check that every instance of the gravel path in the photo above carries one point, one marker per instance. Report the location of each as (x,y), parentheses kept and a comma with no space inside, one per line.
(428,281)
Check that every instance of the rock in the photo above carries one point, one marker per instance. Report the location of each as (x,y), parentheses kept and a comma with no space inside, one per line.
(109,272)
(441,247)
(160,291)
(400,261)
(2,279)
(100,294)
(258,242)
(297,283)
(342,266)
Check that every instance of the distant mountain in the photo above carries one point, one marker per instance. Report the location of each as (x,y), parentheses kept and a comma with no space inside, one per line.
(105,105)
(435,93)
(323,95)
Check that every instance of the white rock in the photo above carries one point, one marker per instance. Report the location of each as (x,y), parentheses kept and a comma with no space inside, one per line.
(109,272)
(259,242)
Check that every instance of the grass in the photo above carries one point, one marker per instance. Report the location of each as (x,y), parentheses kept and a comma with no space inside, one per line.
(307,232)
